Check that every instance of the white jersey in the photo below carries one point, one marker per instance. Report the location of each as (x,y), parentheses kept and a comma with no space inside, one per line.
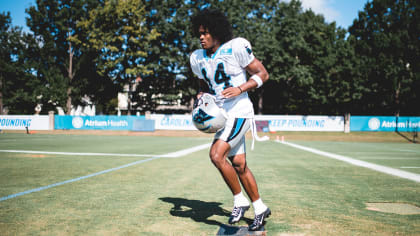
(226,68)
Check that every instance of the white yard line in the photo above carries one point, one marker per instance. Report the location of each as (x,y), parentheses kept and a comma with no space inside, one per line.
(388,158)
(383,169)
(168,155)
(77,153)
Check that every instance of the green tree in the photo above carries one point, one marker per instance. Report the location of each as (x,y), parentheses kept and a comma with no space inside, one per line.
(167,56)
(289,77)
(386,38)
(117,30)
(5,57)
(16,80)
(307,58)
(60,64)
(328,57)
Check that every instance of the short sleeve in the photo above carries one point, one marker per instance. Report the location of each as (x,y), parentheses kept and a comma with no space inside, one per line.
(195,66)
(242,51)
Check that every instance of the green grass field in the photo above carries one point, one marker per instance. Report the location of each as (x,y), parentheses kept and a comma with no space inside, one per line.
(149,194)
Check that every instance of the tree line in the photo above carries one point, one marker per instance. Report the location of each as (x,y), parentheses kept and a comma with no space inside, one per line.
(78,49)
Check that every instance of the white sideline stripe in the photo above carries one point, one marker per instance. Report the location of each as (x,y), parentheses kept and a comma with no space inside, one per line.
(168,155)
(383,169)
(388,158)
(186,151)
(77,153)
(406,150)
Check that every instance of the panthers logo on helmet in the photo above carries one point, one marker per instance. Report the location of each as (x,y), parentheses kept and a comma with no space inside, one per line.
(207,116)
(201,117)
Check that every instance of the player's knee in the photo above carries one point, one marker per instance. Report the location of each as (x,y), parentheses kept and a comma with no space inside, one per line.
(217,159)
(240,167)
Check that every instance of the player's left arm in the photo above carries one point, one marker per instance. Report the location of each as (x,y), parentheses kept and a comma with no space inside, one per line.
(259,75)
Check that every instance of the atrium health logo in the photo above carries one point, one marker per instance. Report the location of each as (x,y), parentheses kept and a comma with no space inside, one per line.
(374,123)
(77,122)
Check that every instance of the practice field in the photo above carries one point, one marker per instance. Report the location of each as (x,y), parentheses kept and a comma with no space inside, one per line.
(58,184)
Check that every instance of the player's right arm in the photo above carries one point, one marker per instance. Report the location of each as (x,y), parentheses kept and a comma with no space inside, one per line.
(242,51)
(258,73)
(196,70)
(255,68)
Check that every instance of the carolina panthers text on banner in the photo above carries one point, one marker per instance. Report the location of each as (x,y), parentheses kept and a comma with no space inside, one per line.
(173,122)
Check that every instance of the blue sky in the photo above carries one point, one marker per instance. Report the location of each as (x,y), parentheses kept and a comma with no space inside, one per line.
(341,11)
(17,10)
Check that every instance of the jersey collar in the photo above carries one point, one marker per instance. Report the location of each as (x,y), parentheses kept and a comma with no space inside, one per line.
(214,54)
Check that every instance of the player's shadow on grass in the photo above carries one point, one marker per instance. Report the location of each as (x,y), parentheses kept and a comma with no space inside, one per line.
(197,210)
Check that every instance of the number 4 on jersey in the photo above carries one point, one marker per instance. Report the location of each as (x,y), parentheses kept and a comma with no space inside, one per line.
(221,77)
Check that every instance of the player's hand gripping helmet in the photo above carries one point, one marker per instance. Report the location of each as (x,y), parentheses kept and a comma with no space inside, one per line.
(207,116)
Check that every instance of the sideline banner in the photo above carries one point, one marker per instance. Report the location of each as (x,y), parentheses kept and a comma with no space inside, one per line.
(20,122)
(303,123)
(136,123)
(275,122)
(384,123)
(173,122)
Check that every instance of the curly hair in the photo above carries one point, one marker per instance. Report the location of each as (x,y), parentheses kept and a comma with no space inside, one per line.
(215,21)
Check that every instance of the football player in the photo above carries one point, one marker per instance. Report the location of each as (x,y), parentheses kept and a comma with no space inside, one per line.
(221,66)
